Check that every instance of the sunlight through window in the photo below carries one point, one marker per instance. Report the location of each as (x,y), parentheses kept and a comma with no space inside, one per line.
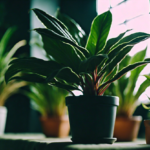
(130,14)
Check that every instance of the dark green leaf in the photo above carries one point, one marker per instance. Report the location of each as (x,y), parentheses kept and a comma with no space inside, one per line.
(31,65)
(53,23)
(112,42)
(65,74)
(119,48)
(63,53)
(132,39)
(111,66)
(74,28)
(124,71)
(99,32)
(91,63)
(67,87)
(30,78)
(53,35)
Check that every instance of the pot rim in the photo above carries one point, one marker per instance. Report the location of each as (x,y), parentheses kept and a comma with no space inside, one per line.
(63,117)
(88,99)
(131,118)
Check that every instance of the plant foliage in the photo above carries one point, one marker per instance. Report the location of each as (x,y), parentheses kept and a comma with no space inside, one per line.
(124,88)
(6,54)
(90,68)
(48,100)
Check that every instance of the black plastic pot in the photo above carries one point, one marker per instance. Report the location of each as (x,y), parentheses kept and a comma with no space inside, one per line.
(92,118)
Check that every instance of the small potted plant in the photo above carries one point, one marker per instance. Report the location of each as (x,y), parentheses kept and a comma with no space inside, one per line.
(90,68)
(147,121)
(6,90)
(50,102)
(127,125)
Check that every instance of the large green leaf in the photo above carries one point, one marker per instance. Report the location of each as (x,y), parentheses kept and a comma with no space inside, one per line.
(124,71)
(63,53)
(99,32)
(64,73)
(83,53)
(91,63)
(31,65)
(74,28)
(111,65)
(53,23)
(67,87)
(116,50)
(30,78)
(112,42)
(134,38)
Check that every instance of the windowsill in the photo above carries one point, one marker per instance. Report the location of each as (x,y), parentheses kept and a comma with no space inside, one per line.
(40,142)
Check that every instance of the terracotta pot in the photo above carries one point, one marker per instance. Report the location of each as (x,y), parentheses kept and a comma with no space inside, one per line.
(147,131)
(126,129)
(55,126)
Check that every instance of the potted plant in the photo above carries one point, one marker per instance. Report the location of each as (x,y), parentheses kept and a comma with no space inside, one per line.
(50,102)
(147,121)
(89,68)
(6,90)
(127,125)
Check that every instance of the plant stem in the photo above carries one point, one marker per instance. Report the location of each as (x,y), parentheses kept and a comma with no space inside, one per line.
(103,90)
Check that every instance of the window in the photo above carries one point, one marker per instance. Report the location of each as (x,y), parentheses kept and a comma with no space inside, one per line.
(130,14)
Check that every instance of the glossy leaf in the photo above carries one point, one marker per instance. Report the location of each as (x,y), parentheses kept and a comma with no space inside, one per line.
(53,35)
(124,71)
(74,28)
(63,53)
(133,38)
(116,50)
(99,32)
(91,63)
(112,42)
(52,23)
(111,66)
(31,65)
(65,74)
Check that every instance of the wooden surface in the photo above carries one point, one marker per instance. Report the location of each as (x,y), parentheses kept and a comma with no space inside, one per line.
(40,142)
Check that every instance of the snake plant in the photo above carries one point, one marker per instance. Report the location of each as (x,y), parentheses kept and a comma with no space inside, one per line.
(90,67)
(6,54)
(124,88)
